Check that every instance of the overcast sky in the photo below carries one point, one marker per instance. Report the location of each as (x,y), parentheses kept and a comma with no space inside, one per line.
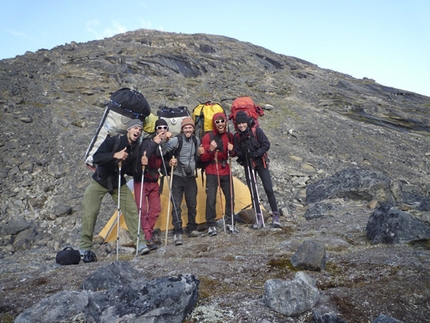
(386,40)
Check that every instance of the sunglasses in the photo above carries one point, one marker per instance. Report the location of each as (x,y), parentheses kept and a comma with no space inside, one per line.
(219,121)
(162,127)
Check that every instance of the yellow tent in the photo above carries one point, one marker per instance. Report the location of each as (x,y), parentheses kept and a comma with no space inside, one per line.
(242,199)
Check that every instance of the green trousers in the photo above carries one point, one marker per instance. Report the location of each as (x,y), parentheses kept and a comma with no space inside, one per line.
(92,200)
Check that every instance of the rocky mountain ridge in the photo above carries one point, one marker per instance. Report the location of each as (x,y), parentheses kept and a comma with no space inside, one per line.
(320,122)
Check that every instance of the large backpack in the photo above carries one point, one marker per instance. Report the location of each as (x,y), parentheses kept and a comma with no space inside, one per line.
(246,104)
(173,117)
(124,104)
(202,116)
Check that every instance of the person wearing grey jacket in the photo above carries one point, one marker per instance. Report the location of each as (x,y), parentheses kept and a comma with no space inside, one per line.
(184,148)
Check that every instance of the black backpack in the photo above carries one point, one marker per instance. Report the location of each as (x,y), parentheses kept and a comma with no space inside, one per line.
(173,117)
(68,256)
(124,104)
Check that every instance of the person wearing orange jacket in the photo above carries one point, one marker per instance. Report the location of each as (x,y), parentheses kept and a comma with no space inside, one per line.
(217,147)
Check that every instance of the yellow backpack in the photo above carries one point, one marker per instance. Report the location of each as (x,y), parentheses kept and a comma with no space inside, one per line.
(202,116)
(149,125)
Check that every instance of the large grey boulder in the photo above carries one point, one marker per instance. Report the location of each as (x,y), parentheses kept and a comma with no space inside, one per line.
(117,274)
(291,297)
(67,306)
(126,298)
(356,184)
(388,224)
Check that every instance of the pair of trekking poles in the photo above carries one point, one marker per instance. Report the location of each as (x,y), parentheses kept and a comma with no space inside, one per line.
(119,208)
(140,204)
(252,180)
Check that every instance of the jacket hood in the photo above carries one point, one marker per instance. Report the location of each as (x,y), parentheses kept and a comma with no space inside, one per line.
(216,116)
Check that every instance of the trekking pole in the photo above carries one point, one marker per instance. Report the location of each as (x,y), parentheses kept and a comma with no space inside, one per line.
(219,190)
(170,195)
(232,200)
(231,189)
(168,205)
(251,188)
(119,208)
(140,206)
(257,196)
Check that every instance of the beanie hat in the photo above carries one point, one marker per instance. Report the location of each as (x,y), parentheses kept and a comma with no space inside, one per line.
(133,123)
(187,121)
(242,117)
(161,122)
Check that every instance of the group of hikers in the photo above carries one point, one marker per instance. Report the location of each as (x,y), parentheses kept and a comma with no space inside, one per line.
(128,155)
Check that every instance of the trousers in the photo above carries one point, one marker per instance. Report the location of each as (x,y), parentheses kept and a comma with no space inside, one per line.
(151,206)
(93,197)
(211,198)
(184,187)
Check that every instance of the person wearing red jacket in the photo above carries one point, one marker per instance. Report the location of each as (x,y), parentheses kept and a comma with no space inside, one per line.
(217,146)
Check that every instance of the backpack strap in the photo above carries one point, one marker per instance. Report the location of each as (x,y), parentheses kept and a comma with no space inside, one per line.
(177,150)
(254,133)
(116,144)
(218,140)
(115,147)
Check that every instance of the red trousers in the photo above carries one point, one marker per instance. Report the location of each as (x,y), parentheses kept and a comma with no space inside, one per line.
(151,206)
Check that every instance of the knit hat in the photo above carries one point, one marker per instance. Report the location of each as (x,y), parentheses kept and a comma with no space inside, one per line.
(161,122)
(187,121)
(242,117)
(133,123)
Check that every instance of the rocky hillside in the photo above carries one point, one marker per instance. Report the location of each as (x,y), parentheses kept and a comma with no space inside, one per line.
(320,122)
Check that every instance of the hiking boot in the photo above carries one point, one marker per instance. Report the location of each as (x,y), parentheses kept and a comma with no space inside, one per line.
(212,232)
(259,223)
(194,234)
(177,239)
(89,256)
(231,229)
(151,245)
(275,220)
(143,250)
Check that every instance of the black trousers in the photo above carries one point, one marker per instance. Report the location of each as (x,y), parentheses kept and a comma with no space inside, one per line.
(184,186)
(211,198)
(266,179)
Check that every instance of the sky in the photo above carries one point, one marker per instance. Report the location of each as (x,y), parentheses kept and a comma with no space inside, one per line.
(385,40)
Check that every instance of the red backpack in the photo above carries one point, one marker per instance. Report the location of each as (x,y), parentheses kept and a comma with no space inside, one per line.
(245,104)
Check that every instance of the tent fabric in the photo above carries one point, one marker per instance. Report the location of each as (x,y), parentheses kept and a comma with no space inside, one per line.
(242,199)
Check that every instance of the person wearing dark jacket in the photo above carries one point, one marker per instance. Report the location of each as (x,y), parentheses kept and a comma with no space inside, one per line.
(216,148)
(105,180)
(251,148)
(150,157)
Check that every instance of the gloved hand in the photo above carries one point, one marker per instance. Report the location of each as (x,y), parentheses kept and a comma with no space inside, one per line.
(256,155)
